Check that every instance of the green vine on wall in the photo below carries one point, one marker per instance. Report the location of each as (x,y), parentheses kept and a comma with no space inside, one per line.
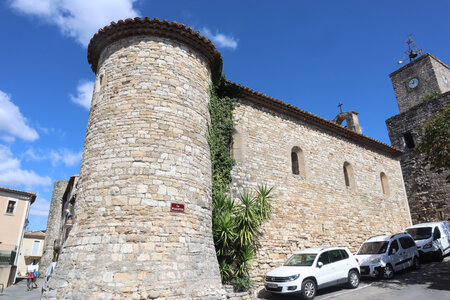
(235,224)
(220,133)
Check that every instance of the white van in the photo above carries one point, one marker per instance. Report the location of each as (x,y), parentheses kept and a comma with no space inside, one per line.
(381,256)
(432,239)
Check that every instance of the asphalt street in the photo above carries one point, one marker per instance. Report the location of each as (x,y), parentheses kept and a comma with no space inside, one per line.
(431,281)
(19,291)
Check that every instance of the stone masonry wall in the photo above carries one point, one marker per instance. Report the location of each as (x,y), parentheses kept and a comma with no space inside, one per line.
(315,208)
(53,224)
(145,148)
(428,192)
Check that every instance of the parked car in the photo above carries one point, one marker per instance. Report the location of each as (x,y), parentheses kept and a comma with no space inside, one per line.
(382,256)
(312,269)
(432,239)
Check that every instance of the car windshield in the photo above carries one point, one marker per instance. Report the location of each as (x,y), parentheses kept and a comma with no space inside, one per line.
(373,248)
(301,259)
(419,233)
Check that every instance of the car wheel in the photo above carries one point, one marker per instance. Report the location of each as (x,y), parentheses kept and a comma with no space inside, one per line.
(388,272)
(439,256)
(353,279)
(416,263)
(309,289)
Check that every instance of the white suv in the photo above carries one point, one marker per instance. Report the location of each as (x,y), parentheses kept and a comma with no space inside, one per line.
(381,256)
(314,268)
(432,239)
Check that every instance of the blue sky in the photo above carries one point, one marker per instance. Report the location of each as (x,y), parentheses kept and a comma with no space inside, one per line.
(312,54)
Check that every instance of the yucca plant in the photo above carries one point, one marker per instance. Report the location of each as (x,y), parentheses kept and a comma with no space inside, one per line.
(236,231)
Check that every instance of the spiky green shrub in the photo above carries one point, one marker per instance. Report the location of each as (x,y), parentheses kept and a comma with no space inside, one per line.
(235,223)
(236,230)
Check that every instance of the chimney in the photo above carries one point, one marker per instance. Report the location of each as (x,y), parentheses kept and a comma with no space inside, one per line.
(352,120)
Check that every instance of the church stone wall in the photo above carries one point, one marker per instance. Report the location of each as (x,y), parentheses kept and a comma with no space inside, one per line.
(145,148)
(427,191)
(315,208)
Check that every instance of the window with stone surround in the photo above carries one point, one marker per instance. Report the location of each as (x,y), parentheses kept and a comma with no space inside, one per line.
(384,184)
(349,176)
(297,161)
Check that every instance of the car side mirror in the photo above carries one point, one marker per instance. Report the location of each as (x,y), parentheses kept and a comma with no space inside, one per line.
(320,264)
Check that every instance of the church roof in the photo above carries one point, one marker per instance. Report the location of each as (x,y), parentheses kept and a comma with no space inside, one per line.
(307,117)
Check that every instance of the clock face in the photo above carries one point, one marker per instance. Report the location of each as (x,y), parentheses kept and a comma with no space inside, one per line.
(444,78)
(413,83)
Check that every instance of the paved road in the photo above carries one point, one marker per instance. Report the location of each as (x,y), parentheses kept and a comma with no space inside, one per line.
(431,282)
(18,291)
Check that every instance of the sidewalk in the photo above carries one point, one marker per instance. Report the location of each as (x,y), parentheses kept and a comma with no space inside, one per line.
(18,291)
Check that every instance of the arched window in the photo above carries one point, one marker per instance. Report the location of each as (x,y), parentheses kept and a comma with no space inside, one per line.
(349,176)
(297,161)
(294,161)
(384,184)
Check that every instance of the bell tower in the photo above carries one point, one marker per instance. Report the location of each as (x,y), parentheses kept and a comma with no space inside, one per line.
(422,89)
(419,78)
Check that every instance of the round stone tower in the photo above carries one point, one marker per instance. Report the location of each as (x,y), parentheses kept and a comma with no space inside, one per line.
(142,224)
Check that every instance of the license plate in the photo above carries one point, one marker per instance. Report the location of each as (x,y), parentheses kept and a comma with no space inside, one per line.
(272,285)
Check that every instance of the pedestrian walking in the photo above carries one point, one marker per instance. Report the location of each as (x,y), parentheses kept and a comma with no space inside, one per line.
(29,279)
(35,275)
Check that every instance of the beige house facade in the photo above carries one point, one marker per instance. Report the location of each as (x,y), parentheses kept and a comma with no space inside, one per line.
(14,209)
(30,252)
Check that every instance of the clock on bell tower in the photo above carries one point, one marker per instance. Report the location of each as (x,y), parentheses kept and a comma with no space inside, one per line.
(420,77)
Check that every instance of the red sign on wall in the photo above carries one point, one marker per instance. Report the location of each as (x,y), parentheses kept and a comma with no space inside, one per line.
(176,207)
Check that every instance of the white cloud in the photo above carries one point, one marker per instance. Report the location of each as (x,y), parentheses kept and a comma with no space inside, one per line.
(84,94)
(66,156)
(40,207)
(11,173)
(79,19)
(12,123)
(220,40)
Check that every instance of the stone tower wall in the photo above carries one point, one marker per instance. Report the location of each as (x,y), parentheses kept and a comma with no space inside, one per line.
(429,71)
(53,224)
(314,208)
(428,192)
(145,148)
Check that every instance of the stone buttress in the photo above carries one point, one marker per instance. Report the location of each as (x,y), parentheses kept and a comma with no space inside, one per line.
(145,149)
